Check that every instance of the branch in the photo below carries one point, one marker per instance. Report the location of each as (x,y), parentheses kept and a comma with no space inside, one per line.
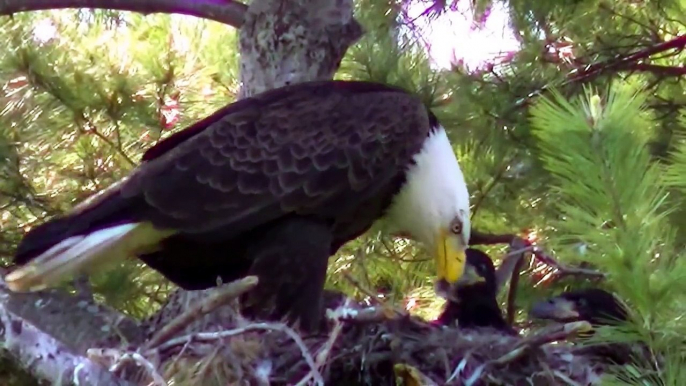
(526,345)
(492,183)
(35,346)
(211,303)
(621,63)
(518,249)
(658,69)
(478,238)
(627,61)
(92,129)
(539,339)
(513,262)
(224,11)
(560,270)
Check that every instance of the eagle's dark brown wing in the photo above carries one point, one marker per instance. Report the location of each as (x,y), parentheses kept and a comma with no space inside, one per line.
(312,147)
(318,148)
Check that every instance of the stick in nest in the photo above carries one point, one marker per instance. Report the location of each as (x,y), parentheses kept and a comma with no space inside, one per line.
(222,296)
(120,358)
(212,336)
(524,346)
(323,354)
(388,310)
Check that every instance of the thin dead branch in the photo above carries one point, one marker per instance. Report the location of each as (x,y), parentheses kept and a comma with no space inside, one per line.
(562,270)
(224,295)
(479,238)
(225,11)
(521,249)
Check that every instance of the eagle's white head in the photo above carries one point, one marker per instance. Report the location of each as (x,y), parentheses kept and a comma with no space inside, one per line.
(433,205)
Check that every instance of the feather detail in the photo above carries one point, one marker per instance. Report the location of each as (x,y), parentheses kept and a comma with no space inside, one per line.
(80,254)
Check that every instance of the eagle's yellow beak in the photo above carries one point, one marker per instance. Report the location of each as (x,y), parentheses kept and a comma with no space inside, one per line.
(450,257)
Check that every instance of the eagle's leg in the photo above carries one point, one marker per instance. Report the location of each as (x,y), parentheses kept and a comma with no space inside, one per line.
(290,259)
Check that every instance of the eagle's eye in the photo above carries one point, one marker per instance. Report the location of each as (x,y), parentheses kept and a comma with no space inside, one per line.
(456,227)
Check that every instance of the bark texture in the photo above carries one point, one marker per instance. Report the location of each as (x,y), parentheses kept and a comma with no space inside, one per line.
(48,333)
(291,41)
(281,42)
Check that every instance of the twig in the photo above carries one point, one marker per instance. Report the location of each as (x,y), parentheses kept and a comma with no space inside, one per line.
(175,362)
(384,311)
(460,367)
(149,367)
(374,314)
(115,359)
(517,244)
(492,183)
(478,238)
(626,62)
(212,336)
(226,11)
(323,354)
(530,343)
(509,264)
(212,302)
(361,288)
(588,72)
(203,367)
(564,270)
(565,378)
(108,141)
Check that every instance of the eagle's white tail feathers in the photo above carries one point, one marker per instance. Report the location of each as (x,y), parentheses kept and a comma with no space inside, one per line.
(79,254)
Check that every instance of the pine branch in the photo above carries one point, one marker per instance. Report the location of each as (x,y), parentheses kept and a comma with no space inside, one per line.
(494,181)
(627,62)
(90,127)
(224,11)
(631,63)
(478,238)
(659,70)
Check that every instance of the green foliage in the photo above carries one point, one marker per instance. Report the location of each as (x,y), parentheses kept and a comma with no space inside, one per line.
(609,194)
(84,95)
(80,106)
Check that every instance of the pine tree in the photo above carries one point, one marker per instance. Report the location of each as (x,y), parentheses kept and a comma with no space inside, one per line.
(609,195)
(86,92)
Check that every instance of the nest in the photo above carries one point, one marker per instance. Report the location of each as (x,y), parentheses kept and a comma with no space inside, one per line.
(362,346)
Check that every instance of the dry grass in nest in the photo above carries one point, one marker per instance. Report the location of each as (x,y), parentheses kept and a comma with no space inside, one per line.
(371,346)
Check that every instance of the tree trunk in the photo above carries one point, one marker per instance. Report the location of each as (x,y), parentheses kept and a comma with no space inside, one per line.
(292,41)
(281,42)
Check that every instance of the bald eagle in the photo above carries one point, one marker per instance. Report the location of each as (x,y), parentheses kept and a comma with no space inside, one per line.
(270,186)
